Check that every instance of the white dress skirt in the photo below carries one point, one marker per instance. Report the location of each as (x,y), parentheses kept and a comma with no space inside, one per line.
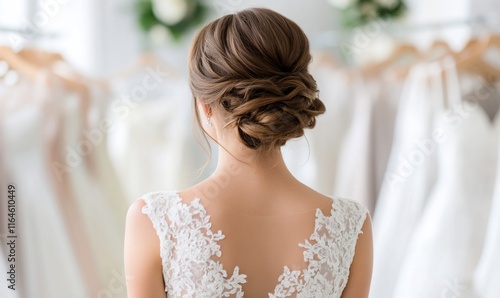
(354,170)
(387,92)
(446,246)
(409,179)
(71,209)
(93,186)
(313,158)
(152,145)
(487,273)
(47,263)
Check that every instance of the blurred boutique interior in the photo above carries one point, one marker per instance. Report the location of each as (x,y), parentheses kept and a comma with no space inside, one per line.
(96,110)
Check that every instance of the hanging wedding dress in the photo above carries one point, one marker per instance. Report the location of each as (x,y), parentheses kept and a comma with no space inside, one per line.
(46,260)
(487,273)
(369,127)
(353,137)
(93,185)
(313,159)
(152,144)
(102,169)
(355,173)
(387,91)
(446,246)
(71,210)
(408,182)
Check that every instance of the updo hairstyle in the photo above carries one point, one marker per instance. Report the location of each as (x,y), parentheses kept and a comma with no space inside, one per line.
(252,67)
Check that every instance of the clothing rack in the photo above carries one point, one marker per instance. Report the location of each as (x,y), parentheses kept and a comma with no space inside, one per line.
(23,31)
(334,38)
(486,21)
(23,38)
(28,37)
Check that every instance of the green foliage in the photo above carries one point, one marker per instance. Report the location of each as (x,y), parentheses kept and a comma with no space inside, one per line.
(147,19)
(355,15)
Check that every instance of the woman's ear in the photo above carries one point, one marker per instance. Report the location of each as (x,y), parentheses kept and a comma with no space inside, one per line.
(207,110)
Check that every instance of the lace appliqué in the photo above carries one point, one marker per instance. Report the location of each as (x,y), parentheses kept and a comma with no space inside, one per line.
(329,252)
(188,246)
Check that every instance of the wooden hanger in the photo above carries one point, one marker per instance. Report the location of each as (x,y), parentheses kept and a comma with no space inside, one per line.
(438,49)
(19,64)
(148,58)
(31,70)
(51,61)
(41,58)
(471,58)
(471,44)
(401,50)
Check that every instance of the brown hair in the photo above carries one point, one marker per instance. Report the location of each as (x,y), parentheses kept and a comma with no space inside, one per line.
(253,66)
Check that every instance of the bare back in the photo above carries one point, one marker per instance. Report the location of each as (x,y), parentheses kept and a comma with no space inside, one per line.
(256,244)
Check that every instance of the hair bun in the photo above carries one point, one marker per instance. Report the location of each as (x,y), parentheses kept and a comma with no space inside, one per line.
(269,112)
(254,65)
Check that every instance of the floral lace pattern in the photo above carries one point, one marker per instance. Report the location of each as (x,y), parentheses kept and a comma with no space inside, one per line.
(329,252)
(188,246)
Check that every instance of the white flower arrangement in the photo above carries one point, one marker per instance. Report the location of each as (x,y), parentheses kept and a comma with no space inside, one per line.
(174,16)
(341,4)
(360,12)
(171,12)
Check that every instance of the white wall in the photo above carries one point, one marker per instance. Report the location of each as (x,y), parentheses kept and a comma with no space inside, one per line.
(101,36)
(442,11)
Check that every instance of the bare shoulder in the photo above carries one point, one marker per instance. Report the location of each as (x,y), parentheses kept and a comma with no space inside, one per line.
(358,285)
(137,219)
(143,265)
(134,213)
(139,231)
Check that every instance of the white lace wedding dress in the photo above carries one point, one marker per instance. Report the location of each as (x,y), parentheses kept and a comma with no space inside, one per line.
(202,258)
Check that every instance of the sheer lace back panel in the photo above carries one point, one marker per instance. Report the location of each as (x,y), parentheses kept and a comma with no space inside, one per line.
(229,254)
